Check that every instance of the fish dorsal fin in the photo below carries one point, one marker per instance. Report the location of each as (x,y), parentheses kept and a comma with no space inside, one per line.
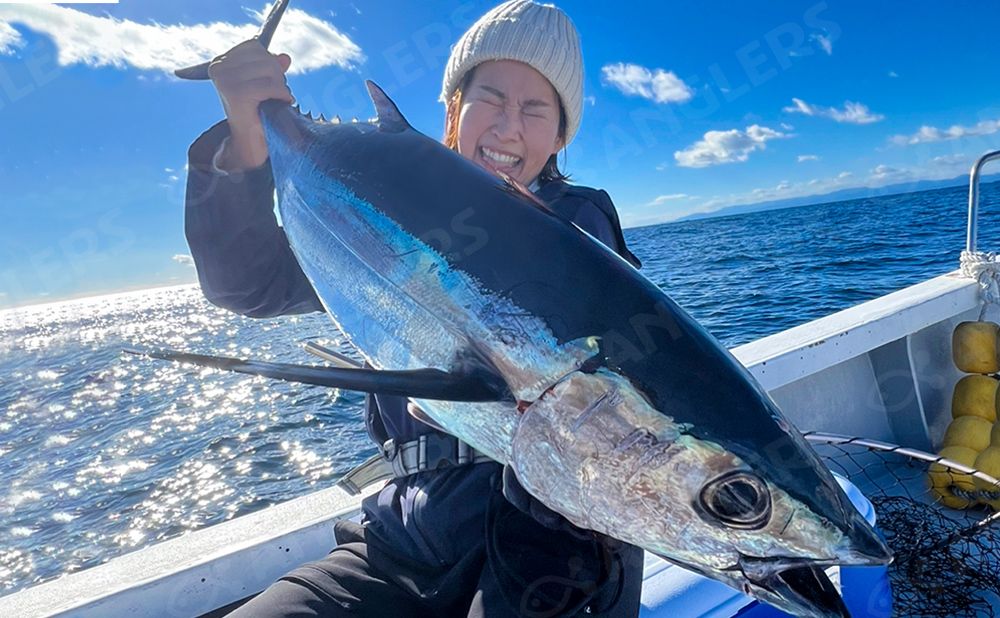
(389,118)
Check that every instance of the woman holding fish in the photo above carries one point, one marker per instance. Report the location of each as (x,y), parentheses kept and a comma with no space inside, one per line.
(453,533)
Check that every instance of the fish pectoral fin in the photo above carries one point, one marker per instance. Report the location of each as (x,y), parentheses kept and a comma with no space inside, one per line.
(472,384)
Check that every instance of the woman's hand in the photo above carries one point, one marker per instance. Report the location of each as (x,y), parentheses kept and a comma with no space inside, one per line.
(245,76)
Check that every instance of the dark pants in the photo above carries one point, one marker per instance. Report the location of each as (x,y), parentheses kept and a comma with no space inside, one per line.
(521,569)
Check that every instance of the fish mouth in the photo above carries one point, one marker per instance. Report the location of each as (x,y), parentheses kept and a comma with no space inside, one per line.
(798,587)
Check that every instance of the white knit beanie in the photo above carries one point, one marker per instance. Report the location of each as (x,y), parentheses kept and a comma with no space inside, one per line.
(539,35)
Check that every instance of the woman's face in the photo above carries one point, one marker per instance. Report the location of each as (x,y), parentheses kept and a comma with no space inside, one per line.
(509,121)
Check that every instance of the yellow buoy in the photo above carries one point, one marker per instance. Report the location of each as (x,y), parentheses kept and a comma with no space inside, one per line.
(974,347)
(943,479)
(969,431)
(989,462)
(975,395)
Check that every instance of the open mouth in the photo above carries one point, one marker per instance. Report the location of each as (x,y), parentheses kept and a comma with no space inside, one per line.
(500,161)
(803,588)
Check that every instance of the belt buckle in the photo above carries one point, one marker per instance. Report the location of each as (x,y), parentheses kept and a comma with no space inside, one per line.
(433,450)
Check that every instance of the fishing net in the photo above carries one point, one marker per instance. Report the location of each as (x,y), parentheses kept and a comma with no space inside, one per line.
(946,560)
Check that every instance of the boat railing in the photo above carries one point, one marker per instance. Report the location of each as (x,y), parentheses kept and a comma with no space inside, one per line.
(977,168)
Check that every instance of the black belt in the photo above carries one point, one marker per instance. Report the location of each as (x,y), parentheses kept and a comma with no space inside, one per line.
(433,451)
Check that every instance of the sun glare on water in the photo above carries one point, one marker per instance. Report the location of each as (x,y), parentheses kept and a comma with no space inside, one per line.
(109,452)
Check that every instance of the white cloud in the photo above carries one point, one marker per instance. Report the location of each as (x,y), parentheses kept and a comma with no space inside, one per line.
(824,41)
(731,146)
(181,258)
(10,39)
(804,158)
(783,190)
(928,134)
(887,172)
(952,159)
(938,168)
(893,74)
(663,199)
(854,113)
(591,100)
(656,85)
(943,167)
(98,41)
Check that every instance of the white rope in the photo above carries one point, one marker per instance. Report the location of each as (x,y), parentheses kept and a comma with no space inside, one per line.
(984,267)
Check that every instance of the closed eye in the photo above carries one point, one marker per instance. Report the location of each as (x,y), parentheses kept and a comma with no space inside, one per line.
(491,96)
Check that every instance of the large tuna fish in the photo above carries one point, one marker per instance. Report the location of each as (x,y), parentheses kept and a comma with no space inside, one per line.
(525,337)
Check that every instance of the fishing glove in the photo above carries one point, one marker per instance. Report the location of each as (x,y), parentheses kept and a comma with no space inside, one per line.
(525,502)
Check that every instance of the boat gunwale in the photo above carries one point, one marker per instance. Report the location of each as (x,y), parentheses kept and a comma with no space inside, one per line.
(809,348)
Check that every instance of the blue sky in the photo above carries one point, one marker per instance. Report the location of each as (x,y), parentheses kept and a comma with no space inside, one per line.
(691,106)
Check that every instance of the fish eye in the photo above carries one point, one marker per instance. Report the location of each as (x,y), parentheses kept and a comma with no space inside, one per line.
(738,500)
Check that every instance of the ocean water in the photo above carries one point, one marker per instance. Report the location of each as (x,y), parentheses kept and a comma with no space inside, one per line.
(103,453)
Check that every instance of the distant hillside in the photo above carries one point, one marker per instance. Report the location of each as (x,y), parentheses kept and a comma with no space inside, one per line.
(840,196)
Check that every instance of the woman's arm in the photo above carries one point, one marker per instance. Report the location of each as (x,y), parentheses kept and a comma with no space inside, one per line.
(242,256)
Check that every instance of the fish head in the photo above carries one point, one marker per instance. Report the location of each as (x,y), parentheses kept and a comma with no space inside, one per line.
(746,527)
(766,490)
(763,510)
(758,511)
